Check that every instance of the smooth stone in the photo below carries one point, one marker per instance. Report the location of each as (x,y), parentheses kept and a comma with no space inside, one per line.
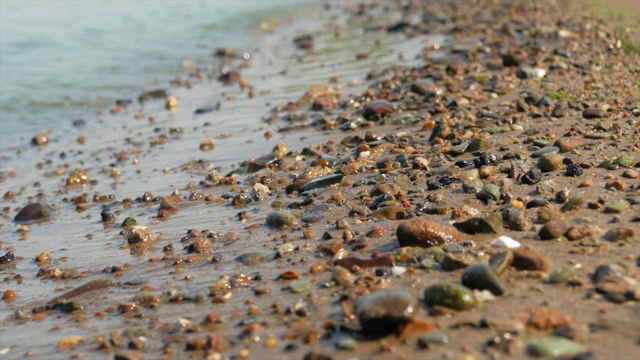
(481,277)
(619,234)
(489,192)
(593,113)
(322,182)
(570,143)
(33,211)
(279,219)
(574,203)
(505,242)
(315,214)
(153,94)
(609,270)
(491,224)
(516,219)
(617,207)
(625,160)
(527,72)
(545,150)
(450,295)
(553,229)
(561,276)
(524,259)
(204,109)
(501,261)
(549,162)
(40,139)
(377,109)
(347,344)
(8,258)
(421,232)
(298,286)
(479,144)
(437,338)
(138,233)
(451,262)
(129,221)
(252,258)
(552,346)
(385,311)
(459,149)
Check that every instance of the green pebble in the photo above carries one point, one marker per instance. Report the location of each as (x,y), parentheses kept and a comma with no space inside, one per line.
(129,221)
(597,136)
(347,344)
(552,346)
(617,207)
(574,203)
(606,164)
(541,143)
(403,118)
(489,191)
(298,286)
(437,338)
(625,160)
(450,295)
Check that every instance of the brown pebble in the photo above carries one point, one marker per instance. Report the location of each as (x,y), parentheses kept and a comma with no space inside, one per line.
(377,109)
(425,233)
(552,230)
(545,318)
(631,174)
(619,234)
(9,295)
(207,145)
(40,139)
(524,259)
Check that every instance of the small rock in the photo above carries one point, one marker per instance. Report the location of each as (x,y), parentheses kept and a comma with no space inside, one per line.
(450,295)
(299,286)
(70,342)
(40,139)
(545,319)
(531,177)
(389,212)
(207,145)
(279,219)
(33,211)
(552,346)
(617,207)
(489,192)
(545,150)
(553,229)
(252,258)
(347,344)
(524,259)
(619,234)
(574,203)
(491,224)
(481,277)
(570,143)
(322,182)
(425,341)
(505,242)
(593,113)
(78,177)
(501,262)
(479,144)
(385,311)
(376,110)
(8,258)
(549,162)
(425,233)
(139,234)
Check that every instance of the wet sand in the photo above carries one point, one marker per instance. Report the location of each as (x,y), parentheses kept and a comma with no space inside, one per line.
(445,71)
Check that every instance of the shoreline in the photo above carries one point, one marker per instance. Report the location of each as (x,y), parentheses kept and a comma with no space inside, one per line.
(287,297)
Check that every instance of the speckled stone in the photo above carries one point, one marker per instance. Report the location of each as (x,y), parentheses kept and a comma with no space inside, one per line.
(450,295)
(385,311)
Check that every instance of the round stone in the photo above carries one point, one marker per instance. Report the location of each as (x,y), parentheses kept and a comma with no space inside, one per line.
(450,295)
(386,311)
(481,277)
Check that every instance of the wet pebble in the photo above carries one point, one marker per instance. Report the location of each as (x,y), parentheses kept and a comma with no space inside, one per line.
(501,261)
(315,214)
(619,234)
(279,219)
(376,110)
(491,224)
(252,258)
(385,311)
(425,233)
(139,234)
(321,182)
(593,113)
(489,192)
(552,346)
(617,207)
(481,277)
(545,150)
(505,242)
(298,286)
(525,259)
(574,203)
(207,145)
(40,139)
(532,177)
(33,211)
(425,341)
(450,295)
(78,177)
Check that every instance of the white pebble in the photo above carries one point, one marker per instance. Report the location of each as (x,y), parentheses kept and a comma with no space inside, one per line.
(506,242)
(398,270)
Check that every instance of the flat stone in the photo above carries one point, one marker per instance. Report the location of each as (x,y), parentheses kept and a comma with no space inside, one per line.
(479,144)
(570,143)
(524,259)
(619,234)
(617,207)
(594,113)
(552,346)
(553,230)
(545,150)
(138,233)
(315,214)
(279,219)
(549,162)
(491,224)
(322,182)
(505,242)
(425,233)
(385,311)
(33,211)
(481,277)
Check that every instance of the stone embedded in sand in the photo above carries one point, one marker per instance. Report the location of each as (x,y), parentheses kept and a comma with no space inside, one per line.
(450,295)
(594,113)
(479,144)
(33,211)
(619,234)
(170,203)
(617,207)
(385,311)
(549,162)
(279,219)
(322,182)
(570,143)
(40,139)
(70,342)
(546,318)
(351,261)
(171,103)
(553,230)
(389,212)
(524,259)
(390,189)
(78,177)
(552,346)
(8,258)
(481,277)
(316,213)
(153,94)
(377,109)
(139,234)
(207,145)
(505,242)
(488,224)
(425,233)
(501,261)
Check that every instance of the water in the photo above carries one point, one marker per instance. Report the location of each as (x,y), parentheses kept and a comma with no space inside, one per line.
(61,60)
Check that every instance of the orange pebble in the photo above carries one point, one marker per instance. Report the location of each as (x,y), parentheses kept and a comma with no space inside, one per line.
(9,295)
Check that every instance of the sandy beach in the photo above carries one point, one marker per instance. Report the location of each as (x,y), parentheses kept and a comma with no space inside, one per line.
(377,180)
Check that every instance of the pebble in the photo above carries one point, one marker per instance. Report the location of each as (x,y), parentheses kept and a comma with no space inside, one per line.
(139,233)
(574,203)
(279,219)
(489,192)
(619,234)
(252,258)
(70,342)
(625,160)
(425,233)
(552,346)
(298,286)
(631,174)
(347,344)
(549,162)
(491,224)
(570,143)
(437,338)
(617,207)
(315,214)
(376,110)
(450,295)
(78,177)
(479,144)
(349,262)
(574,170)
(525,259)
(389,212)
(207,145)
(204,109)
(40,139)
(33,211)
(553,230)
(531,177)
(385,311)
(505,242)
(481,277)
(580,231)
(593,113)
(322,182)
(545,150)
(342,276)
